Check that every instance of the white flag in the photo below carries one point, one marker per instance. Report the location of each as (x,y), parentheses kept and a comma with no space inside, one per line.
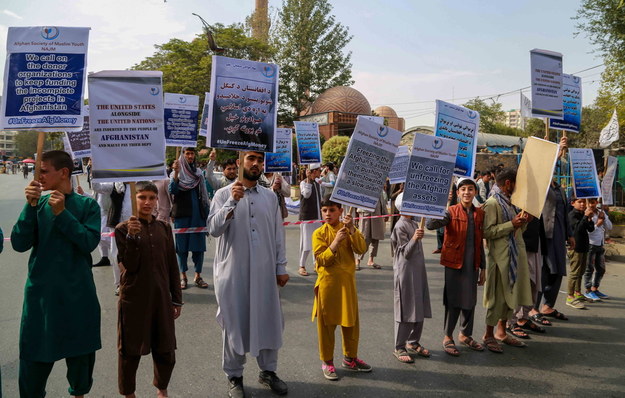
(609,134)
(526,106)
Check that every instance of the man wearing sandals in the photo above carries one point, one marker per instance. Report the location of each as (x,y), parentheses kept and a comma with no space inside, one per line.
(249,267)
(462,255)
(189,209)
(507,275)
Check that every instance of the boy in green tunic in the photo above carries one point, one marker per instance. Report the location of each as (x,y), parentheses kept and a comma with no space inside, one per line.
(61,313)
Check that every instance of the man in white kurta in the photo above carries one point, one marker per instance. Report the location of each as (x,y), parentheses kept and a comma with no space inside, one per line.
(250,264)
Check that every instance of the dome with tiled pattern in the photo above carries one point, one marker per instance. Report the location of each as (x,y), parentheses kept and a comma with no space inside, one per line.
(385,111)
(342,99)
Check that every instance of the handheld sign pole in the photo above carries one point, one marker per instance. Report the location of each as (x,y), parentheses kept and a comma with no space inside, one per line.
(422,223)
(546,129)
(133,200)
(241,158)
(40,140)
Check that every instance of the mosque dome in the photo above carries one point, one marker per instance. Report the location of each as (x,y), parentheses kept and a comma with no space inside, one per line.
(342,99)
(385,111)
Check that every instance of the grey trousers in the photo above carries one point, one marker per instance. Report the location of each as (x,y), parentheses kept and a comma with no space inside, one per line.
(466,321)
(407,332)
(232,363)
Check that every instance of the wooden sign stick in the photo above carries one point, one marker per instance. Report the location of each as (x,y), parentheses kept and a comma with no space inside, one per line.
(133,197)
(40,140)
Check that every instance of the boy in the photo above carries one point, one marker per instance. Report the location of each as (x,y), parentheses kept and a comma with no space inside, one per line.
(462,255)
(596,253)
(150,294)
(580,218)
(336,302)
(411,292)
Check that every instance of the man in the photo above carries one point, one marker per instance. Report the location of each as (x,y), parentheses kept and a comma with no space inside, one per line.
(328,179)
(150,295)
(373,231)
(507,276)
(190,207)
(250,264)
(309,209)
(483,186)
(61,313)
(230,171)
(104,201)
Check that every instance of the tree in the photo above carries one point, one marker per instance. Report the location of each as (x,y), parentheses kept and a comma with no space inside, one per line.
(26,143)
(309,45)
(334,149)
(491,116)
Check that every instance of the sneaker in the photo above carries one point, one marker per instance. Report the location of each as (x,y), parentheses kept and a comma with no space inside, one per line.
(271,380)
(329,371)
(579,297)
(593,296)
(104,261)
(575,303)
(356,365)
(601,295)
(236,387)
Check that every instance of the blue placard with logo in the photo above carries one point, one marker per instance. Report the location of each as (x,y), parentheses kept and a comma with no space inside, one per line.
(459,124)
(243,112)
(584,173)
(205,112)
(308,142)
(572,105)
(181,112)
(44,78)
(280,160)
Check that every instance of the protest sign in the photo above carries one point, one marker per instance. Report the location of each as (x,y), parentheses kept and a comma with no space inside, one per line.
(181,119)
(205,112)
(460,124)
(571,103)
(368,160)
(127,131)
(79,142)
(78,167)
(243,111)
(399,168)
(44,78)
(430,172)
(308,142)
(534,175)
(608,181)
(280,160)
(584,173)
(610,133)
(546,83)
(376,119)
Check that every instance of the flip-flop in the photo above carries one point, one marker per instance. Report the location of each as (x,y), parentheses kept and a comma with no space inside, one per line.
(450,348)
(472,344)
(402,356)
(419,350)
(512,342)
(493,345)
(183,283)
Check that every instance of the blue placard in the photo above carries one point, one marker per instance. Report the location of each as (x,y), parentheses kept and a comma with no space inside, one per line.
(459,124)
(308,143)
(584,173)
(572,104)
(280,161)
(181,112)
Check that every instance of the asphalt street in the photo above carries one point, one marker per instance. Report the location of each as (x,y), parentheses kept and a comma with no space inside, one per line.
(582,357)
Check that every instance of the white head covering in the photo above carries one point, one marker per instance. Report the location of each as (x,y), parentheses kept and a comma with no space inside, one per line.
(314,166)
(398,200)
(464,179)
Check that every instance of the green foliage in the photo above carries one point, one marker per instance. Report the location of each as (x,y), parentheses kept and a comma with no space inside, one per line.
(491,116)
(334,149)
(535,127)
(26,143)
(309,45)
(617,217)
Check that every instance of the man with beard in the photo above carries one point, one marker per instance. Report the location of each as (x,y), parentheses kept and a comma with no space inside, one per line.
(190,207)
(250,264)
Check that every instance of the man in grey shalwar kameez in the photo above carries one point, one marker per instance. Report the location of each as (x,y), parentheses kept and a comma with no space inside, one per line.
(250,264)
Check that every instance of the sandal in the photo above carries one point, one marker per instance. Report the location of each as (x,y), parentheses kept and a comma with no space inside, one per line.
(531,326)
(199,282)
(450,348)
(302,271)
(402,356)
(418,350)
(512,341)
(358,267)
(472,344)
(517,331)
(493,346)
(375,266)
(538,318)
(555,314)
(183,283)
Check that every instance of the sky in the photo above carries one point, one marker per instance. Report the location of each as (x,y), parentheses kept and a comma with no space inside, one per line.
(405,54)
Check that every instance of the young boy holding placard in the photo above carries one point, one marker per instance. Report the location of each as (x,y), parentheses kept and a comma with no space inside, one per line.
(580,218)
(336,301)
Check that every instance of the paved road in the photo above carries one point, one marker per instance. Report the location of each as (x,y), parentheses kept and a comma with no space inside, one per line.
(582,357)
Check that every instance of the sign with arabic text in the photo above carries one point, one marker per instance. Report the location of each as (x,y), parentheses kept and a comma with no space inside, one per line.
(460,124)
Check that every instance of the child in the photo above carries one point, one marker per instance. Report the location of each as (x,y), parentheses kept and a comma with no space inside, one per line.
(412,296)
(150,294)
(336,302)
(462,255)
(596,253)
(580,219)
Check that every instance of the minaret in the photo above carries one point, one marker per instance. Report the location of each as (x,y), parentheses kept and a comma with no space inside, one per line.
(260,21)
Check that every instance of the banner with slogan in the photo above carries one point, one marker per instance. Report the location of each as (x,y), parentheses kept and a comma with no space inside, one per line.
(280,160)
(572,105)
(243,112)
(534,175)
(584,173)
(127,130)
(79,142)
(546,78)
(44,78)
(399,168)
(308,142)
(460,124)
(205,112)
(608,181)
(181,112)
(430,173)
(368,160)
